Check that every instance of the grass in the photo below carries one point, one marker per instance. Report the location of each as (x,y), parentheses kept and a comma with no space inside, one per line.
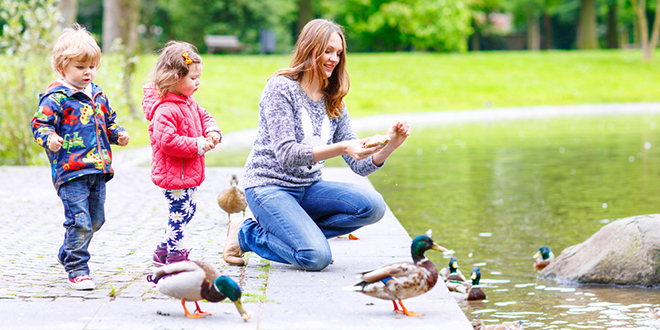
(384,83)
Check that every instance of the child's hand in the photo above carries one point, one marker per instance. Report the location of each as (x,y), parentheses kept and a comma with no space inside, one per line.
(215,136)
(55,142)
(209,144)
(123,138)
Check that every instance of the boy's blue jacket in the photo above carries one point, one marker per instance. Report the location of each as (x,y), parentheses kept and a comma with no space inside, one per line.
(87,127)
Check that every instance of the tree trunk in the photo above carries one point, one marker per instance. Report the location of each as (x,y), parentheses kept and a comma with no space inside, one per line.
(130,13)
(111,25)
(533,33)
(475,39)
(548,39)
(612,33)
(69,9)
(656,29)
(587,34)
(643,26)
(305,14)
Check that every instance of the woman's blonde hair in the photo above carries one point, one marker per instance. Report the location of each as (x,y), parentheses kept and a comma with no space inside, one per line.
(308,59)
(173,64)
(75,44)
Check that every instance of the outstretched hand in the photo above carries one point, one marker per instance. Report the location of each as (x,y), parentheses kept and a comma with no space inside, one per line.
(398,133)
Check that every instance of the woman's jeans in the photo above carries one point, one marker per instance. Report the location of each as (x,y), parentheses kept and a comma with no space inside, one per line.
(293,224)
(83,199)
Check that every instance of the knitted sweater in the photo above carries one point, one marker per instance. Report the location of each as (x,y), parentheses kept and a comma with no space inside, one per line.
(290,125)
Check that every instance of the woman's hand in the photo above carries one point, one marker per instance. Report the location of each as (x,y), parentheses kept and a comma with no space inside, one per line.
(355,150)
(398,133)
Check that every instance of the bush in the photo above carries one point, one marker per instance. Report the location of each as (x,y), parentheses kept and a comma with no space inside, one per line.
(26,41)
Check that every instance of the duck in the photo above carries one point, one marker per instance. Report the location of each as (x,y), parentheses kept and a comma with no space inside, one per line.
(475,292)
(452,273)
(402,280)
(232,199)
(194,281)
(543,258)
(479,325)
(654,313)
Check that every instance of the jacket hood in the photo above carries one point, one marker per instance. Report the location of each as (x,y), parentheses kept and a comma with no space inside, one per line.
(151,100)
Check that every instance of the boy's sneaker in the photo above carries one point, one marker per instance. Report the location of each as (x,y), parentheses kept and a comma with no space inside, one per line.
(177,256)
(160,256)
(81,282)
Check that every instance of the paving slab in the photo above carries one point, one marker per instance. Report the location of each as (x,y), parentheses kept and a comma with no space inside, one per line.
(34,293)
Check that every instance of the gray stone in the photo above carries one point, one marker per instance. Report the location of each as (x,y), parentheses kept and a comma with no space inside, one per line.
(624,252)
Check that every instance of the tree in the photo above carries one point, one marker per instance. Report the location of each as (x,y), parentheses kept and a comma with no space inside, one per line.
(305,14)
(31,26)
(587,30)
(648,43)
(69,9)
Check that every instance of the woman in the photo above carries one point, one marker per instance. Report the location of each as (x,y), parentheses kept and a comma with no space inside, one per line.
(303,122)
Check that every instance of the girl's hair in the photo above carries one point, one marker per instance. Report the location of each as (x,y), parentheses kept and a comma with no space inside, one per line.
(173,64)
(308,59)
(75,44)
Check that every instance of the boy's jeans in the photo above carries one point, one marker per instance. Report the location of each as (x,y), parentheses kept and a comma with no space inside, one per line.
(293,224)
(83,200)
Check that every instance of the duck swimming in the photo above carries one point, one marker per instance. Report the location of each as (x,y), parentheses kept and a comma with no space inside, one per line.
(402,280)
(194,281)
(475,292)
(479,325)
(543,258)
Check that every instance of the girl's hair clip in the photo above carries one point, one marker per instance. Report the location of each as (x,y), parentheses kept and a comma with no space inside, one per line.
(185,56)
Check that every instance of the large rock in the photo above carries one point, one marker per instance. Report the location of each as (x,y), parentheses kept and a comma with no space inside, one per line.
(624,252)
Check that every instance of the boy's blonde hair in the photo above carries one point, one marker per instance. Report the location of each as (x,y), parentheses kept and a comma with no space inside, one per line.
(75,44)
(172,65)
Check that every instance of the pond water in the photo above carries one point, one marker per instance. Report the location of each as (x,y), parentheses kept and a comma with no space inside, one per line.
(494,192)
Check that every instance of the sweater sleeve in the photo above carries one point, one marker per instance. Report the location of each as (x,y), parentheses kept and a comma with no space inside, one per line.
(166,136)
(344,132)
(277,107)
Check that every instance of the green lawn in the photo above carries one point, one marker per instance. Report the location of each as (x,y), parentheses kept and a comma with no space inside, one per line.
(422,82)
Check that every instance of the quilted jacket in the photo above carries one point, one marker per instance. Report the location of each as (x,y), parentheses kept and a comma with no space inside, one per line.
(87,127)
(176,124)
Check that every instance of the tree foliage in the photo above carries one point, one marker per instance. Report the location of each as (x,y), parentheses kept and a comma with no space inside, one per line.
(31,26)
(387,25)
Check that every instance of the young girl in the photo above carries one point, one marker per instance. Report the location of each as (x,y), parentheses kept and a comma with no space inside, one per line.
(181,132)
(302,122)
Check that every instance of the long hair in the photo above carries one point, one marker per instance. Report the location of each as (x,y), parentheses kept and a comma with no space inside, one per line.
(172,66)
(75,44)
(308,60)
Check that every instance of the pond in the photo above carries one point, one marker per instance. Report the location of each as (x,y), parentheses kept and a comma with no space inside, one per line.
(496,191)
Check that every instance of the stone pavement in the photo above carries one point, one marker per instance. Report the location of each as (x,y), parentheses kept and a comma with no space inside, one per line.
(34,293)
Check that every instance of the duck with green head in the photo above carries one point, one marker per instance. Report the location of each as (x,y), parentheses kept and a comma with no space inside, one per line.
(194,281)
(402,280)
(543,258)
(475,292)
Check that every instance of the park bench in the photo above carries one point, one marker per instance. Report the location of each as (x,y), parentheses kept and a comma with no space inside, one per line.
(221,42)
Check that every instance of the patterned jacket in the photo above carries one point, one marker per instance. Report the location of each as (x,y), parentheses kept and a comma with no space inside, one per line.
(177,128)
(87,127)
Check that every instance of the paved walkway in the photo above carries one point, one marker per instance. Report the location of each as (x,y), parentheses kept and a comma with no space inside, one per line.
(34,294)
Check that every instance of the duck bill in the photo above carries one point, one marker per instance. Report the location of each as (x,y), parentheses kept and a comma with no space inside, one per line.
(538,254)
(244,315)
(439,248)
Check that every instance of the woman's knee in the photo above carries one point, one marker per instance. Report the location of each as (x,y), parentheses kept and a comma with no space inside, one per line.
(376,209)
(315,259)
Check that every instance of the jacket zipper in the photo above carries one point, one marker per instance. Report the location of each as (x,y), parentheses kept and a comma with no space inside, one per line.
(182,167)
(96,120)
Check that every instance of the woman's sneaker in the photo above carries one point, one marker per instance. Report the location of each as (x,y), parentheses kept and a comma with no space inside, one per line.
(177,256)
(160,256)
(81,282)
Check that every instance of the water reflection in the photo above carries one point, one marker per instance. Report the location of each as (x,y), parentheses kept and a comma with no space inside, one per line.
(495,192)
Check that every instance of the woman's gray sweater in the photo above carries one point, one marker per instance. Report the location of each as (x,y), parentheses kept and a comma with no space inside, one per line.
(290,125)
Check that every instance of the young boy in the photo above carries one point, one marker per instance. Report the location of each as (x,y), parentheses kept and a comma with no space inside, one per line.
(75,124)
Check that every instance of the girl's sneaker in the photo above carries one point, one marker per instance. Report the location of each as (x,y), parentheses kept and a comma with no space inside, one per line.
(160,256)
(81,282)
(178,256)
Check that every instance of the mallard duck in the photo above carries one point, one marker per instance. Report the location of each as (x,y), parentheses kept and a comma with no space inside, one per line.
(475,292)
(232,199)
(479,325)
(194,281)
(454,279)
(654,313)
(543,258)
(402,280)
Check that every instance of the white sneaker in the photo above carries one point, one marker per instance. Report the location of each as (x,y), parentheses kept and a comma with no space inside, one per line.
(81,282)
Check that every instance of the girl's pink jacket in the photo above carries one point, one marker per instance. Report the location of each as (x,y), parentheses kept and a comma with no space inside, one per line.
(176,124)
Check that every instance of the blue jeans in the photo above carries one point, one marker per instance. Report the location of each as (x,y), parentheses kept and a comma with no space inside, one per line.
(83,199)
(293,224)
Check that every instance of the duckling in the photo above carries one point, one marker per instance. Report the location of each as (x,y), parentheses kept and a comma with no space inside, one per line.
(194,281)
(232,199)
(543,258)
(402,280)
(479,325)
(654,313)
(475,292)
